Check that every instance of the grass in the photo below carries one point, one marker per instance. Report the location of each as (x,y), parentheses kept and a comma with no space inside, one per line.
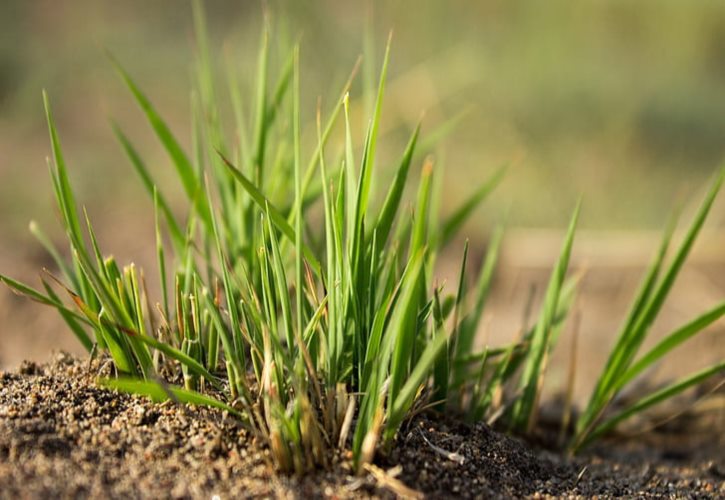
(321,339)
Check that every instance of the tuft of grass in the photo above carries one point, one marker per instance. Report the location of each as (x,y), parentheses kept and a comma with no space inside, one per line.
(329,339)
(623,366)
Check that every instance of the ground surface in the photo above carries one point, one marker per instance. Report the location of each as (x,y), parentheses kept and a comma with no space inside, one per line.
(61,436)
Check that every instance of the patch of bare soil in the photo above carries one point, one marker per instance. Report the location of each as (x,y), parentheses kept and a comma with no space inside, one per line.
(61,436)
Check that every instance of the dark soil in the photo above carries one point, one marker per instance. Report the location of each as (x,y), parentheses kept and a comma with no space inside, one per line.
(61,436)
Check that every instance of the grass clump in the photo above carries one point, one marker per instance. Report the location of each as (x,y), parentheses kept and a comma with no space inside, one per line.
(318,340)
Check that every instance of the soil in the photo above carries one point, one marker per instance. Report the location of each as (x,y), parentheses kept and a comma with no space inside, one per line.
(63,437)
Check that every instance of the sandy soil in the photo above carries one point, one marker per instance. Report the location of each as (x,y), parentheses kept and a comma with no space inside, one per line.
(61,436)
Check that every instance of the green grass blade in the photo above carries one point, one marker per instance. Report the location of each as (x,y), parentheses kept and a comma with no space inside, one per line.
(63,189)
(366,174)
(420,373)
(391,205)
(670,342)
(71,319)
(540,342)
(160,257)
(53,252)
(260,129)
(175,354)
(400,334)
(655,304)
(652,399)
(469,325)
(235,356)
(460,297)
(280,283)
(646,289)
(310,170)
(139,166)
(281,89)
(37,296)
(182,164)
(279,220)
(420,223)
(298,190)
(627,349)
(159,393)
(441,368)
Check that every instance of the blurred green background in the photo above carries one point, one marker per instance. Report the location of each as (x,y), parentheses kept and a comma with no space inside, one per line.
(620,102)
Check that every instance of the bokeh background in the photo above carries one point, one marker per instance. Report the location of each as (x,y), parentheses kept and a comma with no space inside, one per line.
(619,102)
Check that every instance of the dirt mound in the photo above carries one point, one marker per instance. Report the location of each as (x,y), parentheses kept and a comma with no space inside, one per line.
(61,436)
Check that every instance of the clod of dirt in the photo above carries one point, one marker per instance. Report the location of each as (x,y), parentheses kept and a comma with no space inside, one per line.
(61,436)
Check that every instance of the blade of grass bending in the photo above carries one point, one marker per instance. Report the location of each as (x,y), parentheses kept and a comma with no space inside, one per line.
(71,317)
(158,393)
(651,400)
(671,341)
(175,354)
(453,223)
(184,168)
(32,293)
(540,341)
(278,219)
(138,164)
